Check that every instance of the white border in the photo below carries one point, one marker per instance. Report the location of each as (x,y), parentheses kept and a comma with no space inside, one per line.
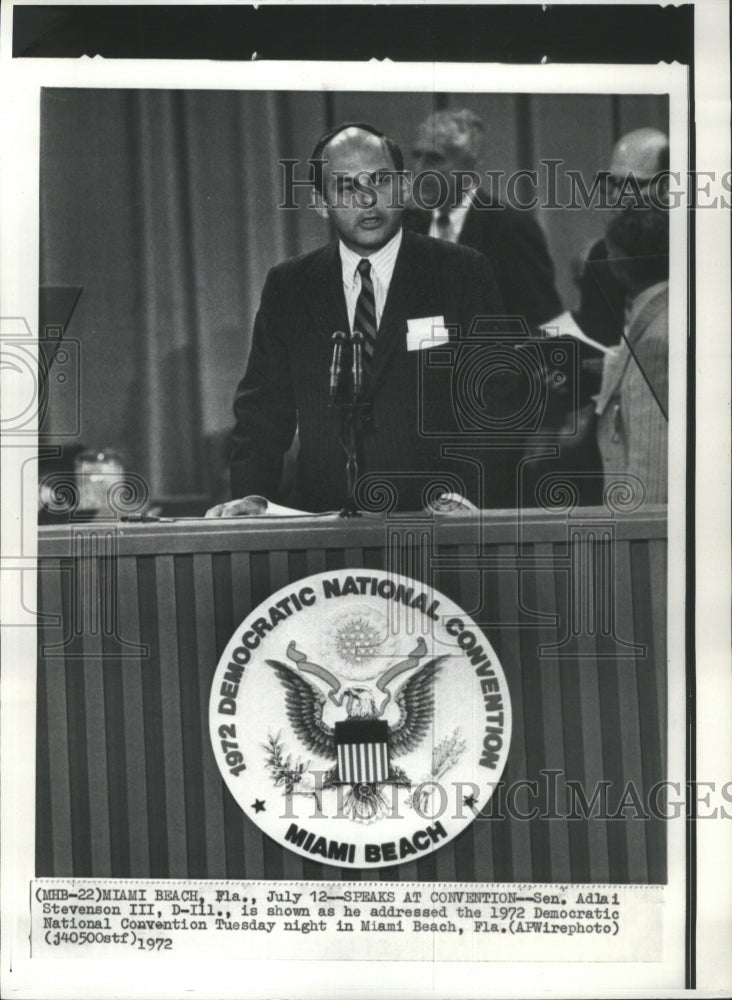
(712,528)
(18,297)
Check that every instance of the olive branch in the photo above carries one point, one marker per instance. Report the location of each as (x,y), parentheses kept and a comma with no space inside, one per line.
(286,771)
(444,756)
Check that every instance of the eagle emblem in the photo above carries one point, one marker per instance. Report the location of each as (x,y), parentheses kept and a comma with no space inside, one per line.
(360,726)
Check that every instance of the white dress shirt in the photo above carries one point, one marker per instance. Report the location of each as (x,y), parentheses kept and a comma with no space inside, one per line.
(382,267)
(456,219)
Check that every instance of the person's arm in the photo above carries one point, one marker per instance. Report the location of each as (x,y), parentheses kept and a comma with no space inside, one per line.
(264,410)
(527,270)
(601,313)
(646,426)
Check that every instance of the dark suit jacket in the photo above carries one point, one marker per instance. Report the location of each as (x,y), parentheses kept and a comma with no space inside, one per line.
(286,382)
(515,245)
(601,314)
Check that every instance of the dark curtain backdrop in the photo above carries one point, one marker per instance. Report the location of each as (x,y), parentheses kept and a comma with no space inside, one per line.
(163,205)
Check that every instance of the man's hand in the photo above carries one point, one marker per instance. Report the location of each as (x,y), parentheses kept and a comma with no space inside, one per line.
(452,503)
(244,507)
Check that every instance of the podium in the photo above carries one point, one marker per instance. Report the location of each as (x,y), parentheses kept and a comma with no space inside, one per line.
(133,619)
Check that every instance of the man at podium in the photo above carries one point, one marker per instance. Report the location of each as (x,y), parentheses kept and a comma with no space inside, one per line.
(371,308)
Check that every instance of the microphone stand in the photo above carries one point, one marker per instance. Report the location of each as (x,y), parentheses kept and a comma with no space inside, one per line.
(353,413)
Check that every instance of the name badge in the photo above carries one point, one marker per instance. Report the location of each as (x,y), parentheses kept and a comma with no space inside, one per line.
(425,332)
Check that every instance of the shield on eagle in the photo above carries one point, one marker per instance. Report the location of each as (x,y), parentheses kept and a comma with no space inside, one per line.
(362,750)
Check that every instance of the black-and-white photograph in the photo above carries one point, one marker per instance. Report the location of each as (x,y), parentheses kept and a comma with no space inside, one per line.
(213,271)
(359,459)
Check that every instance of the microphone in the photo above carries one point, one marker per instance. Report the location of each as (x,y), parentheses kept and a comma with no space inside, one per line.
(357,345)
(339,339)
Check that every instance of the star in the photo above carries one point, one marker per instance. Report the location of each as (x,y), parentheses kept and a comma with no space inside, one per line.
(258,805)
(470,800)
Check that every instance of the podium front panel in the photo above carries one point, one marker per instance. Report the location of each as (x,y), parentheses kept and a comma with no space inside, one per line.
(133,620)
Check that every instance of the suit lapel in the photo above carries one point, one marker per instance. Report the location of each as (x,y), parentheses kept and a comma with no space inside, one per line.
(327,303)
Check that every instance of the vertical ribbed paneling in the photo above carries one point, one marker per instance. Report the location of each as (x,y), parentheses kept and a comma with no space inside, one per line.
(193,735)
(481,830)
(445,860)
(44,811)
(658,575)
(245,841)
(240,591)
(232,601)
(614,727)
(127,782)
(353,558)
(532,689)
(315,561)
(551,713)
(518,865)
(584,551)
(157,821)
(91,567)
(171,734)
(648,699)
(115,732)
(629,723)
(299,565)
(492,837)
(371,874)
(571,716)
(76,734)
(207,658)
(57,825)
(272,573)
(278,577)
(465,588)
(132,669)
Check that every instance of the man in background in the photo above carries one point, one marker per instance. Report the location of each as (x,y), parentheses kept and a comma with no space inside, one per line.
(449,146)
(635,178)
(632,405)
(638,159)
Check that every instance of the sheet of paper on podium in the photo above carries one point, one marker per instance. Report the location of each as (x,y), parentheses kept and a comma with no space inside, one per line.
(565,325)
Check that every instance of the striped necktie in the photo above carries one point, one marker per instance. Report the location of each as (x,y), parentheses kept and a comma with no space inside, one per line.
(365,316)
